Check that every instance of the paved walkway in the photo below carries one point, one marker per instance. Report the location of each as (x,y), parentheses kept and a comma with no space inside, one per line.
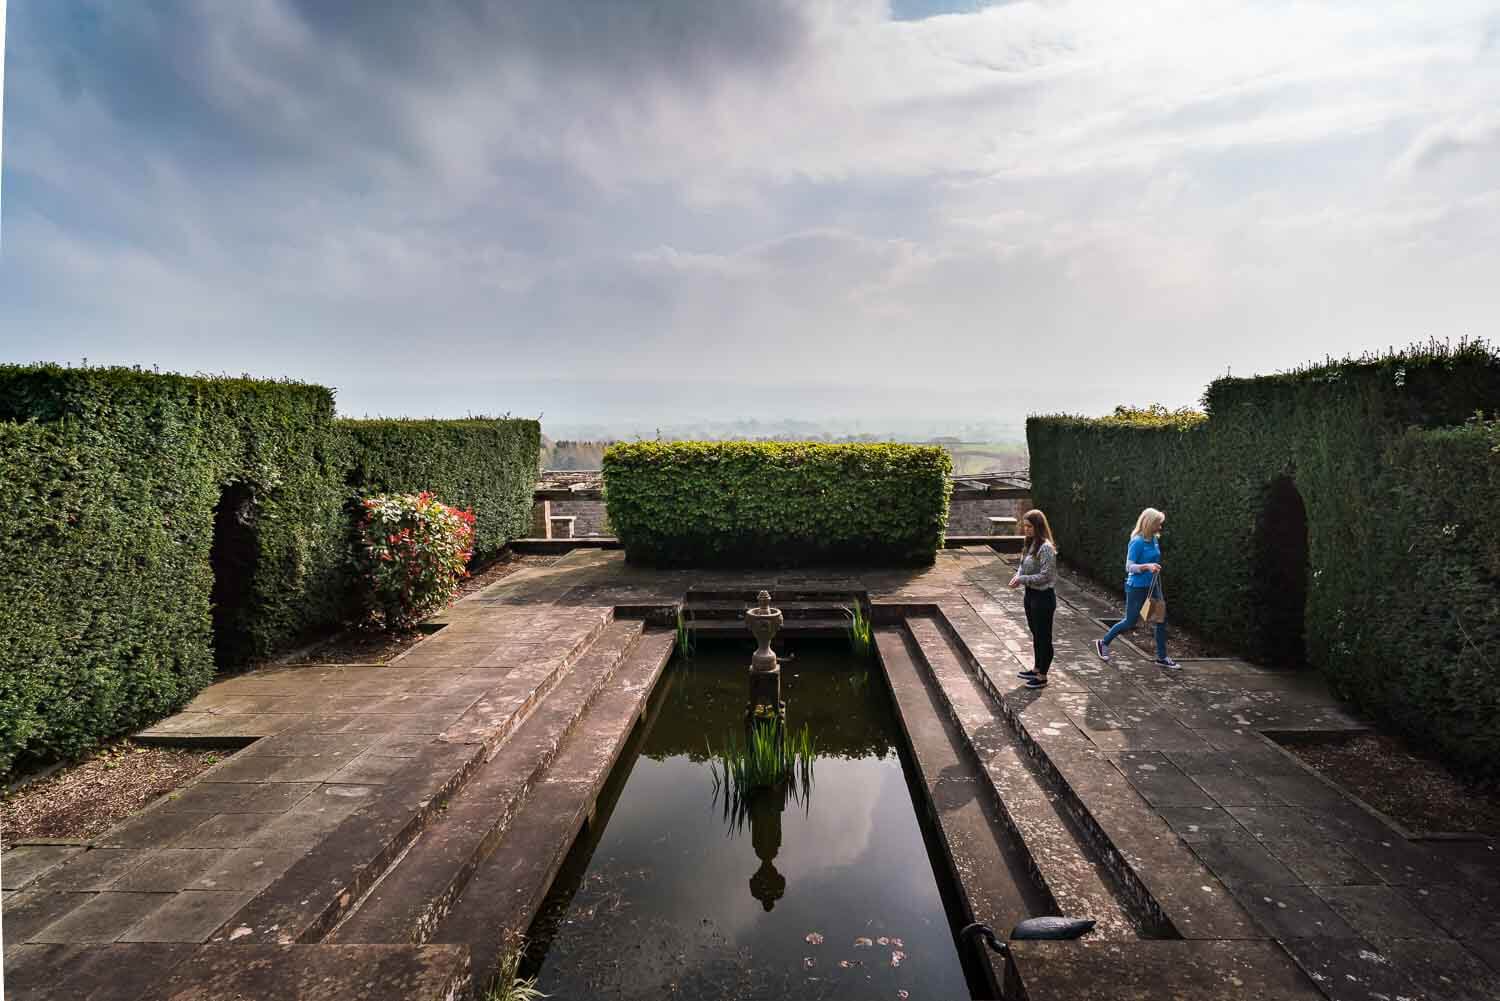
(1173,772)
(1212,835)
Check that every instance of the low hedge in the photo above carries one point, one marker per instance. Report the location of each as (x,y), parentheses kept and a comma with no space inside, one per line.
(486,465)
(1314,445)
(776,503)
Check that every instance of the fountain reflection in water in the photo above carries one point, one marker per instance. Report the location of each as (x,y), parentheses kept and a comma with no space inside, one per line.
(843,901)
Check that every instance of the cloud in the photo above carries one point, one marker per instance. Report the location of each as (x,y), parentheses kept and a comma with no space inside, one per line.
(1477,135)
(930,196)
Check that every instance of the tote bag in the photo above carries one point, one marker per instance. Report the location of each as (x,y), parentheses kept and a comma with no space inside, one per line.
(1155,608)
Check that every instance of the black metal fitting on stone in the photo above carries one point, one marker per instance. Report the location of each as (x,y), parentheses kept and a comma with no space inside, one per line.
(969,932)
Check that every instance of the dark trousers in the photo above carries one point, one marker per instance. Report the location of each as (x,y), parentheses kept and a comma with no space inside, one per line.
(1041,605)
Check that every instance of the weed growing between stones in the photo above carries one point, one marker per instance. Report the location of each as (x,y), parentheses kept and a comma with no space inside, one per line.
(508,985)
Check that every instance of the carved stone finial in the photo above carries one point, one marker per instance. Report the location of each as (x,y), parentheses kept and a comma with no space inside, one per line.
(765,601)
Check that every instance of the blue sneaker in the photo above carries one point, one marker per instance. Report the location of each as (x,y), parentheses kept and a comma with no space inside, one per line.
(1036,681)
(1168,663)
(1101,649)
(1028,674)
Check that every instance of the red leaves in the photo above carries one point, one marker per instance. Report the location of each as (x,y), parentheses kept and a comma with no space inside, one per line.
(413,551)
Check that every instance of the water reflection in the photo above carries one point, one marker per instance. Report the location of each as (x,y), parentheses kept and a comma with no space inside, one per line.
(653,900)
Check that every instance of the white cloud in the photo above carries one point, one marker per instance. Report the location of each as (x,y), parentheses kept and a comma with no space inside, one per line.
(579,189)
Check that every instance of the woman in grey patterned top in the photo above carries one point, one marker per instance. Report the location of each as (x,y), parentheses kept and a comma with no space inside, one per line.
(1038,574)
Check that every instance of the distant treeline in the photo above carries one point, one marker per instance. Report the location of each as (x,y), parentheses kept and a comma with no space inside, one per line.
(968,457)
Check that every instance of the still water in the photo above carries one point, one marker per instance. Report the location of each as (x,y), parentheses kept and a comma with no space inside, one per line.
(826,892)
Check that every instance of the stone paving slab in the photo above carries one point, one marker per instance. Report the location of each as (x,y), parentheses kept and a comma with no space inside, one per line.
(88,973)
(318,973)
(1156,971)
(22,865)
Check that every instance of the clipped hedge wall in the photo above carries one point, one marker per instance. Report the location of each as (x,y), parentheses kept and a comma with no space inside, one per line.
(486,465)
(1324,437)
(776,503)
(113,484)
(109,480)
(1427,651)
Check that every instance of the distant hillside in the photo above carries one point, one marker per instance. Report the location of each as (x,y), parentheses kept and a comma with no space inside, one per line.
(969,457)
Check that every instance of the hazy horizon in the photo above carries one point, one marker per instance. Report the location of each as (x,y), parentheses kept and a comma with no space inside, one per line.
(913,213)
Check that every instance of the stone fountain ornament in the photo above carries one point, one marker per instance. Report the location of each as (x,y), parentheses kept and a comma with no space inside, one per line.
(765,670)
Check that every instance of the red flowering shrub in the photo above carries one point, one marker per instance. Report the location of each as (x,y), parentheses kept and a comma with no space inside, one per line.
(411,553)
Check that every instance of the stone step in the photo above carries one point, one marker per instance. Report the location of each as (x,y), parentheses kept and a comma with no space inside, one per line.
(304,903)
(1055,850)
(984,861)
(694,610)
(780,597)
(409,901)
(508,888)
(731,628)
(1167,886)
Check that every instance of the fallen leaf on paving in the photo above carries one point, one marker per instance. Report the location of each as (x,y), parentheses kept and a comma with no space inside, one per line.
(903,995)
(883,940)
(813,938)
(898,943)
(808,962)
(897,956)
(862,942)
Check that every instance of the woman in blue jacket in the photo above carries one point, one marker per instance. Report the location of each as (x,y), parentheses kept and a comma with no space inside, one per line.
(1142,564)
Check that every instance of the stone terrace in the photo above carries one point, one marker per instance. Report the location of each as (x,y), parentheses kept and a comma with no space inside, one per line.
(387,829)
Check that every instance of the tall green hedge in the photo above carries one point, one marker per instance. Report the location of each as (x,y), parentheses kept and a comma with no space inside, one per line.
(487,465)
(776,503)
(1330,437)
(109,479)
(111,484)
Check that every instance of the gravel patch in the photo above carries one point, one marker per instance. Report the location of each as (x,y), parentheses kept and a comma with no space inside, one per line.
(1422,795)
(86,799)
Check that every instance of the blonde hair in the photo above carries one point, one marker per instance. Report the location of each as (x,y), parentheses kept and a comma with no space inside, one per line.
(1148,525)
(1041,530)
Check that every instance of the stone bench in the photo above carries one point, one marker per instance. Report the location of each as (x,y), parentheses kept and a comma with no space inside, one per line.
(1004,526)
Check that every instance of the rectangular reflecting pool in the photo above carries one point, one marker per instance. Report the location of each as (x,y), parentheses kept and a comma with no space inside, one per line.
(822,888)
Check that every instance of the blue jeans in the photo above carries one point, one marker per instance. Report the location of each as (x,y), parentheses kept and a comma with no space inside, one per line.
(1135,597)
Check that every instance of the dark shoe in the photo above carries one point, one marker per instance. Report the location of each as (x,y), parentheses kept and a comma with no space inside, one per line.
(1027,674)
(1168,663)
(1037,681)
(1101,649)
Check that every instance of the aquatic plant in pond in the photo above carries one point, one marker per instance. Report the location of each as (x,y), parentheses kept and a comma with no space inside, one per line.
(768,761)
(655,899)
(687,643)
(861,631)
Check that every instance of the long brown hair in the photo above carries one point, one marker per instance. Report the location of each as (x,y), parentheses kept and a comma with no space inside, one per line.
(1040,531)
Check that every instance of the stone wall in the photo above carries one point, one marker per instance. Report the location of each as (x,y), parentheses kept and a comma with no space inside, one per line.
(971,517)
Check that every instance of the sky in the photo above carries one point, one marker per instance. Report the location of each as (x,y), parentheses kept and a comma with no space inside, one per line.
(666,210)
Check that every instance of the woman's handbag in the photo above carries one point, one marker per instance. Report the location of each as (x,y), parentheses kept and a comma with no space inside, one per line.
(1155,608)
